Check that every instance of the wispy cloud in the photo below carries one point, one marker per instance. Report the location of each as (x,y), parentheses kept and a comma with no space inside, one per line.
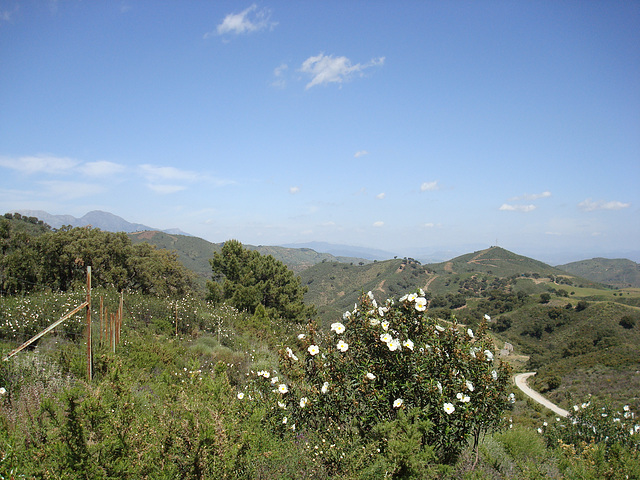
(164,189)
(381,196)
(62,190)
(429,186)
(294,190)
(155,173)
(324,69)
(589,205)
(252,19)
(529,197)
(279,76)
(39,164)
(378,224)
(101,169)
(360,153)
(5,15)
(506,207)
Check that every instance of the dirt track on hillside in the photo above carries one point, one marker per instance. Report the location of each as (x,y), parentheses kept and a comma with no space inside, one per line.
(521,383)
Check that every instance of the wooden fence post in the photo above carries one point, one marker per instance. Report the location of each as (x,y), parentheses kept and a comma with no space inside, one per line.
(88,302)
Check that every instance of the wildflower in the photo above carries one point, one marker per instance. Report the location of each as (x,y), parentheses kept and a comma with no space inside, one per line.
(325,387)
(394,344)
(449,408)
(3,391)
(385,325)
(494,374)
(397,403)
(470,332)
(303,402)
(284,421)
(282,388)
(346,315)
(469,386)
(463,398)
(439,328)
(240,395)
(371,376)
(488,355)
(421,304)
(404,297)
(412,296)
(381,311)
(374,322)
(313,349)
(625,408)
(439,388)
(408,344)
(274,380)
(370,295)
(282,405)
(487,317)
(337,327)
(301,336)
(290,354)
(342,346)
(539,430)
(576,408)
(386,338)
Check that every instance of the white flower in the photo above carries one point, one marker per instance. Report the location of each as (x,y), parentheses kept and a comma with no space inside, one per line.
(370,295)
(539,430)
(421,292)
(282,405)
(440,388)
(325,387)
(282,388)
(408,344)
(625,408)
(381,311)
(404,297)
(240,395)
(313,349)
(303,402)
(397,403)
(488,355)
(394,344)
(421,304)
(284,420)
(470,332)
(449,408)
(576,408)
(386,338)
(371,376)
(374,322)
(512,398)
(412,296)
(342,346)
(337,327)
(469,386)
(494,374)
(439,328)
(301,336)
(274,380)
(463,398)
(291,354)
(3,391)
(346,315)
(487,317)
(385,325)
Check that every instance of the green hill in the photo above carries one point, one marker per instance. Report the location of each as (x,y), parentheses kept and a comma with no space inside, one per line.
(618,272)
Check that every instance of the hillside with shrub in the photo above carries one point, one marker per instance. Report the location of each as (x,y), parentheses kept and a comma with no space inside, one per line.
(409,380)
(619,272)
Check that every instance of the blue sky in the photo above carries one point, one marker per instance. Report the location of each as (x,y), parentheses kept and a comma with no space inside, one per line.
(405,126)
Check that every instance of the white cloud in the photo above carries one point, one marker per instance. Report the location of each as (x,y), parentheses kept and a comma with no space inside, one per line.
(589,205)
(531,196)
(165,189)
(361,153)
(429,186)
(381,196)
(378,224)
(517,208)
(294,190)
(101,168)
(154,173)
(252,19)
(39,164)
(325,69)
(278,74)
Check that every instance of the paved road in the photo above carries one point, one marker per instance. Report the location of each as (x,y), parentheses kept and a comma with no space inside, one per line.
(521,383)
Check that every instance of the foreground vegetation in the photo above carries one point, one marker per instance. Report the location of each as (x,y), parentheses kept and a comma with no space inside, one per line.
(237,387)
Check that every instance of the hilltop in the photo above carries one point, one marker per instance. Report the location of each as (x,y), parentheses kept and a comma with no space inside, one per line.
(618,272)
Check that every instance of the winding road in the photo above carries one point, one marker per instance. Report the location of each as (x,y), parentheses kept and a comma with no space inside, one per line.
(521,383)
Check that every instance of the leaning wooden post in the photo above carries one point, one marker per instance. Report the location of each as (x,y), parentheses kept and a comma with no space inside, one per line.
(176,318)
(89,352)
(101,318)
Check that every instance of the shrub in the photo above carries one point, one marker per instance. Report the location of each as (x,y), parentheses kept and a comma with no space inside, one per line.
(382,360)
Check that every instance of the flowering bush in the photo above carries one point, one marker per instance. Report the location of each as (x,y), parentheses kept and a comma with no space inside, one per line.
(595,423)
(383,359)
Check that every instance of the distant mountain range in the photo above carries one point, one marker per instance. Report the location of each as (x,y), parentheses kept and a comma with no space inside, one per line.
(98,219)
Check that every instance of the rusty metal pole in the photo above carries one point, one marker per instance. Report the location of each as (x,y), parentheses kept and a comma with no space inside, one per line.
(89,352)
